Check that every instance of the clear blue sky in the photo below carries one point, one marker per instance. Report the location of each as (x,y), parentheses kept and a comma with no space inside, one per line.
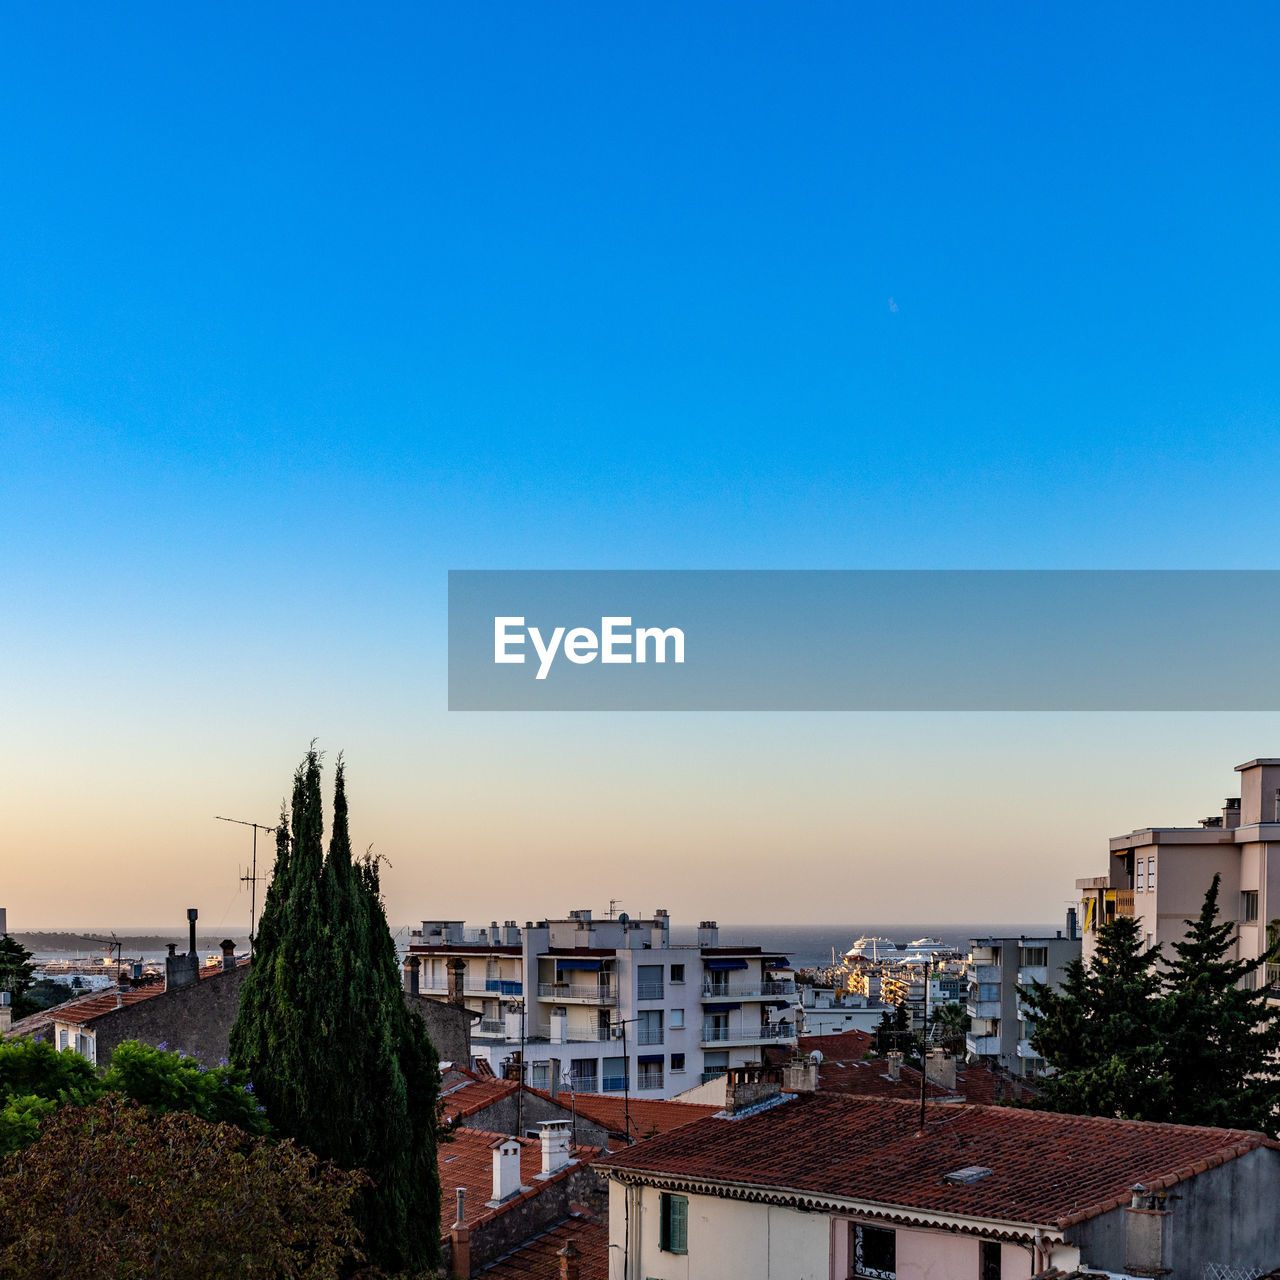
(301,306)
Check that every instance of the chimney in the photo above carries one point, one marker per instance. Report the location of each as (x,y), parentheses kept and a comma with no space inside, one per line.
(569,1256)
(941,1069)
(460,1241)
(1147,1237)
(506,1170)
(1072,924)
(749,1086)
(1231,811)
(554,1135)
(894,1060)
(192,916)
(413,968)
(228,955)
(179,971)
(708,933)
(6,1012)
(800,1075)
(457,974)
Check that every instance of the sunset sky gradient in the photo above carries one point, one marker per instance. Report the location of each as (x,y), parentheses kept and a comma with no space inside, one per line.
(303,305)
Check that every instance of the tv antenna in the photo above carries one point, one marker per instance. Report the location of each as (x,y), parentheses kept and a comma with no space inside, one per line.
(113,945)
(252,878)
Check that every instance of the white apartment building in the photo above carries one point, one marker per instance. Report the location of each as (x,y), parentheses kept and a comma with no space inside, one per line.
(999,1032)
(607,1005)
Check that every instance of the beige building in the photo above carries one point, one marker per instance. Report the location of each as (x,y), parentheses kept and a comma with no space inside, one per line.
(1159,875)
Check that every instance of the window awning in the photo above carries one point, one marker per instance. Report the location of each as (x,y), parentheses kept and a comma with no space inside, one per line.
(721,1008)
(578,964)
(650,1058)
(720,966)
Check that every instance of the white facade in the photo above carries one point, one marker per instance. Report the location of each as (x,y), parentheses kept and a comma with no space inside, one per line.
(749,1240)
(607,1006)
(825,1011)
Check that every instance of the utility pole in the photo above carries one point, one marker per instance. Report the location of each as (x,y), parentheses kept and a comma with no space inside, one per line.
(252,877)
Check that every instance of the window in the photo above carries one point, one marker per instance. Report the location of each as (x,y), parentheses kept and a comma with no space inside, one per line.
(677,973)
(649,982)
(649,1026)
(673,1223)
(677,1062)
(1151,875)
(677,1018)
(1249,905)
(1140,878)
(989,1260)
(649,1075)
(988,991)
(582,1075)
(615,1075)
(1033,957)
(874,1252)
(540,1074)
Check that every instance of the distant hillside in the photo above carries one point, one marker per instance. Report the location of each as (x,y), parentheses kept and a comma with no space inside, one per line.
(80,943)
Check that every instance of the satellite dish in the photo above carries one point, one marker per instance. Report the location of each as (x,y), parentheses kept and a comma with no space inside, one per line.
(623,918)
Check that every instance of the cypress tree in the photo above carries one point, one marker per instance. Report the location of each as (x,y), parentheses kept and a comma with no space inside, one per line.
(337,1058)
(1100,1032)
(1220,1035)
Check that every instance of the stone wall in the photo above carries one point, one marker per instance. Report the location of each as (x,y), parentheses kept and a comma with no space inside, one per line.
(448,1026)
(502,1117)
(197,1019)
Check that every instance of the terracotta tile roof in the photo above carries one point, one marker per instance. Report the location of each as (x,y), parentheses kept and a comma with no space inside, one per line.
(1046,1170)
(838,1044)
(79,1012)
(473,1094)
(870,1079)
(539,1259)
(649,1116)
(466,1160)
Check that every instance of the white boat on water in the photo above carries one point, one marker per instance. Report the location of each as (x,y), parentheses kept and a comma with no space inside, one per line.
(874,949)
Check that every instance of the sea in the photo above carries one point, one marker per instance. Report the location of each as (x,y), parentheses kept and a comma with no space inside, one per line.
(809,946)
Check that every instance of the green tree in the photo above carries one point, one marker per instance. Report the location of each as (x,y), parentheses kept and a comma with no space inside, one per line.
(113,1190)
(1100,1032)
(338,1060)
(1220,1036)
(17,975)
(950,1023)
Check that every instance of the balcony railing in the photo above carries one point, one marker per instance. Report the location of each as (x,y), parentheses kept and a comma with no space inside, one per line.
(583,1084)
(722,991)
(490,1027)
(613,1084)
(648,991)
(474,986)
(602,992)
(649,1080)
(708,1076)
(1124,902)
(712,1033)
(648,1035)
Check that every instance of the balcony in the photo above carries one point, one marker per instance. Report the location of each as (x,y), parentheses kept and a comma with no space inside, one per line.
(718,991)
(982,1046)
(649,1080)
(648,1035)
(713,1033)
(982,1008)
(575,992)
(1124,902)
(648,991)
(473,987)
(490,1027)
(613,1084)
(709,1076)
(582,1084)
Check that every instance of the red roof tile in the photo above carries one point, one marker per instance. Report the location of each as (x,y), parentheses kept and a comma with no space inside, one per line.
(1046,1170)
(466,1160)
(539,1259)
(649,1116)
(838,1044)
(473,1095)
(94,1006)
